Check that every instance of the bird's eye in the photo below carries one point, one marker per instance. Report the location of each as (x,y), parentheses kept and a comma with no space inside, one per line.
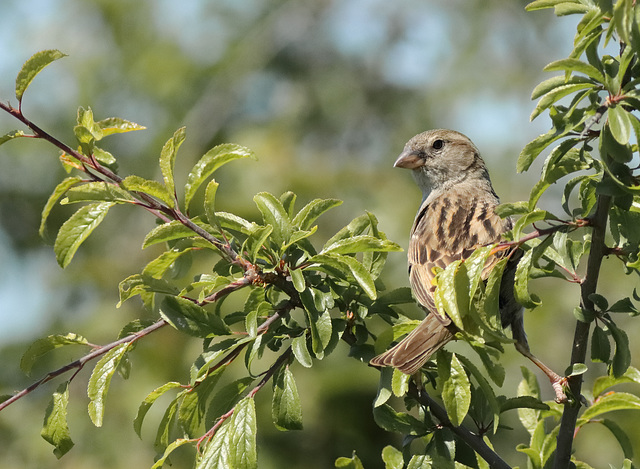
(438,144)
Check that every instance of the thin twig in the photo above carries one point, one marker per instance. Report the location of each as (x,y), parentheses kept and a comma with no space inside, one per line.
(474,441)
(79,363)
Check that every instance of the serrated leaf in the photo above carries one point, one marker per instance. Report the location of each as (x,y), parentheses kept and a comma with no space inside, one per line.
(96,191)
(77,228)
(226,398)
(147,186)
(32,67)
(611,402)
(100,381)
(305,218)
(242,436)
(575,65)
(117,125)
(274,214)
(11,135)
(188,317)
(148,402)
(173,230)
(194,402)
(456,389)
(286,410)
(360,243)
(55,429)
(209,163)
(168,158)
(47,344)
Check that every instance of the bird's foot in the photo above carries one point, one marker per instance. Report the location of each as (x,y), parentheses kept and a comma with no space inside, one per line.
(558,384)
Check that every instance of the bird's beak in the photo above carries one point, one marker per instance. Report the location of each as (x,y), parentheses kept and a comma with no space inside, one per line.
(409,160)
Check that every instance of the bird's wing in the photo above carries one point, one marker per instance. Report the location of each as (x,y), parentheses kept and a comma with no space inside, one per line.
(445,230)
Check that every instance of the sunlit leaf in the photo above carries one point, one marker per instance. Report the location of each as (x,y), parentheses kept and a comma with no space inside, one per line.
(94,191)
(117,125)
(153,188)
(169,449)
(310,212)
(575,65)
(188,317)
(100,381)
(148,402)
(77,228)
(456,389)
(301,351)
(620,124)
(392,458)
(521,289)
(55,429)
(47,344)
(32,67)
(286,410)
(361,243)
(168,157)
(611,402)
(209,163)
(11,135)
(275,215)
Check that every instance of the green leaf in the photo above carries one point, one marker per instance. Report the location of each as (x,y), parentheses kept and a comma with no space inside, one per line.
(47,344)
(575,65)
(286,410)
(392,458)
(622,354)
(456,388)
(301,351)
(166,426)
(209,163)
(541,4)
(451,296)
(173,230)
(96,191)
(364,278)
(603,383)
(557,94)
(194,403)
(349,463)
(216,452)
(399,383)
(169,449)
(532,149)
(77,228)
(297,278)
(11,135)
(153,188)
(148,402)
(117,125)
(317,309)
(392,421)
(486,388)
(210,202)
(32,67)
(600,346)
(529,387)
(523,402)
(521,289)
(242,436)
(420,461)
(609,403)
(55,429)
(274,214)
(361,243)
(101,379)
(168,158)
(188,317)
(226,398)
(620,124)
(620,435)
(310,212)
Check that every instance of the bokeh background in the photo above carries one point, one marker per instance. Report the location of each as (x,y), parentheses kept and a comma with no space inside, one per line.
(326,92)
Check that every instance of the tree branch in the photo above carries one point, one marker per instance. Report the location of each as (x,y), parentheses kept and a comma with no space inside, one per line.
(78,364)
(474,441)
(581,335)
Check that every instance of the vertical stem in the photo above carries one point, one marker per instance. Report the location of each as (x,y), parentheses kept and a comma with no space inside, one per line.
(581,334)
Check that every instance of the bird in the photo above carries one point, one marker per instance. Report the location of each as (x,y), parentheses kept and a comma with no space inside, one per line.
(457,215)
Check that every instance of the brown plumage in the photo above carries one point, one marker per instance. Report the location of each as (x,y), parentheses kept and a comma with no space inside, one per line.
(457,215)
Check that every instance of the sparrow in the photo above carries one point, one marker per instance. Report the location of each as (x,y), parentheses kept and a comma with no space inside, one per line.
(457,216)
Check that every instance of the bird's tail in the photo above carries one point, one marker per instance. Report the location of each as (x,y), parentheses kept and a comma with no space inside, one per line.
(414,350)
